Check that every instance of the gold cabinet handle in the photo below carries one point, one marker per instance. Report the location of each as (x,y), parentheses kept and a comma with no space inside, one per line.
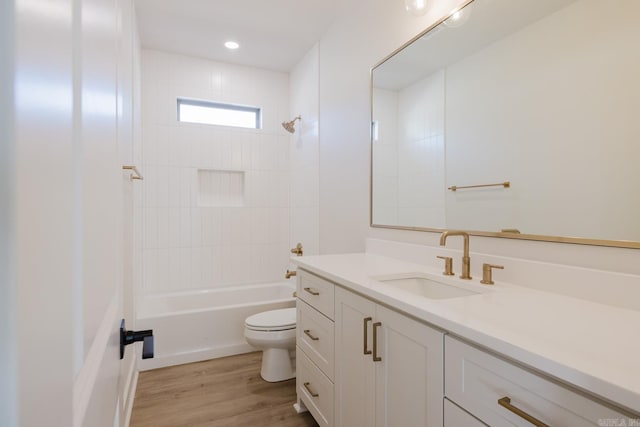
(376,358)
(312,291)
(364,325)
(506,403)
(311,392)
(307,332)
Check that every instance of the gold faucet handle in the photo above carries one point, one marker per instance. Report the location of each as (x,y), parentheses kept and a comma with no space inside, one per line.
(448,265)
(486,273)
(297,250)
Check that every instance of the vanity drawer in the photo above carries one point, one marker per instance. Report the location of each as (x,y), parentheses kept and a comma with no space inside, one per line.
(477,381)
(315,337)
(316,292)
(314,389)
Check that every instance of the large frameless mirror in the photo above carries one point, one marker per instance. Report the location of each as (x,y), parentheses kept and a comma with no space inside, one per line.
(516,119)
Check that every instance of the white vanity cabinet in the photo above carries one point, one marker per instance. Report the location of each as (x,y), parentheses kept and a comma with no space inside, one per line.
(388,367)
(501,393)
(315,346)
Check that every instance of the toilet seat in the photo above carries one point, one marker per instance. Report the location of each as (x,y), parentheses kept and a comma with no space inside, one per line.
(274,320)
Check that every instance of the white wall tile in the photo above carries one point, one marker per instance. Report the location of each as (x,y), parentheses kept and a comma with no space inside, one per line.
(162,267)
(185,267)
(196,227)
(149,271)
(162,187)
(185,227)
(174,187)
(163,228)
(150,228)
(174,227)
(174,269)
(161,145)
(300,190)
(196,255)
(201,246)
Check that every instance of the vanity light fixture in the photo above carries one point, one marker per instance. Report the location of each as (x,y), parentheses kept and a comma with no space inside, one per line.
(416,7)
(231,45)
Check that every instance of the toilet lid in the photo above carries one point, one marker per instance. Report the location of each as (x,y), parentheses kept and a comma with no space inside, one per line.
(275,319)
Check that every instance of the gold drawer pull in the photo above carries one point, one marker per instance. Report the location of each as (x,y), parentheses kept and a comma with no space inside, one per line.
(311,392)
(312,291)
(376,358)
(365,321)
(506,403)
(307,332)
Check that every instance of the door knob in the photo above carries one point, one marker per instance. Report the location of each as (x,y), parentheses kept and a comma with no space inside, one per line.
(129,337)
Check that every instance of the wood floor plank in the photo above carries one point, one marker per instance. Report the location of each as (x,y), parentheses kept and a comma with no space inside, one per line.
(225,392)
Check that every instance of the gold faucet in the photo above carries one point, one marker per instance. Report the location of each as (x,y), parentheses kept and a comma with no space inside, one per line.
(466,261)
(289,274)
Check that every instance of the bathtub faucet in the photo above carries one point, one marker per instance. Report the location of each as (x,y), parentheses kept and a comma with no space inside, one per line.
(289,274)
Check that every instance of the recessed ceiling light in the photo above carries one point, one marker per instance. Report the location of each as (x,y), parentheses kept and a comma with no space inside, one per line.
(231,45)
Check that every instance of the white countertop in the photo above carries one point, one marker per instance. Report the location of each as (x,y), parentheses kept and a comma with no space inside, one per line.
(592,346)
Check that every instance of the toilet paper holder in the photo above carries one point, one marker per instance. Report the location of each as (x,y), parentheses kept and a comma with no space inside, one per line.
(129,337)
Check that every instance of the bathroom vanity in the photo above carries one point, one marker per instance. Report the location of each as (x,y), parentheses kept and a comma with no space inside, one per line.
(377,346)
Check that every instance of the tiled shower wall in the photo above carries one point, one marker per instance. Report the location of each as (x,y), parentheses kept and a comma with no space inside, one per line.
(305,205)
(188,242)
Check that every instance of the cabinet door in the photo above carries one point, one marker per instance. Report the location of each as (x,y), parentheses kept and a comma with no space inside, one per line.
(409,378)
(354,370)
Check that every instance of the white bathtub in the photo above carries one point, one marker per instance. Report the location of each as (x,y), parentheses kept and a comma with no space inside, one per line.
(194,326)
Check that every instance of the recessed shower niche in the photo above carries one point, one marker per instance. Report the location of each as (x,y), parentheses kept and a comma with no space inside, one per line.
(220,188)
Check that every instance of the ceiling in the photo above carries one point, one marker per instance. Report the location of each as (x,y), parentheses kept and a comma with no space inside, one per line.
(273,34)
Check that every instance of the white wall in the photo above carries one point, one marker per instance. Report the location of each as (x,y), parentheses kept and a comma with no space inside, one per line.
(304,177)
(366,32)
(188,245)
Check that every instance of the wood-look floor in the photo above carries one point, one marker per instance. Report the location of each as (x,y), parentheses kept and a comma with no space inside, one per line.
(219,392)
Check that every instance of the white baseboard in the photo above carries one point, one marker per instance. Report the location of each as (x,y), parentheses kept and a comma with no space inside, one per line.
(194,356)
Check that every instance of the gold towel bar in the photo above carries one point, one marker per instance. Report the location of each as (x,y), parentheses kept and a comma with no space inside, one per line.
(135,170)
(505,184)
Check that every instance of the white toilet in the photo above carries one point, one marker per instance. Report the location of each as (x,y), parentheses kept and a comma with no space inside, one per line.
(274,332)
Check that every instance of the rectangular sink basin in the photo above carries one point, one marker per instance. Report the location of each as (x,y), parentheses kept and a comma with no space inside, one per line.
(425,287)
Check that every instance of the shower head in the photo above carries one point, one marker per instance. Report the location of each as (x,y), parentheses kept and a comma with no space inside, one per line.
(288,126)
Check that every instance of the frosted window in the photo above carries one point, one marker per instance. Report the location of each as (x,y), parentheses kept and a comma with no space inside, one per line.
(214,113)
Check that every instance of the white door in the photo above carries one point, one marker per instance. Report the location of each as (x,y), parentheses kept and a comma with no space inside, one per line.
(131,190)
(409,378)
(62,213)
(354,370)
(37,200)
